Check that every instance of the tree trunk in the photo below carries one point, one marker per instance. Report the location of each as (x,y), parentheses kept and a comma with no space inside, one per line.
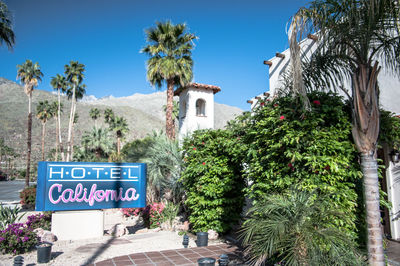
(72,143)
(118,145)
(369,167)
(43,134)
(59,127)
(29,141)
(365,134)
(71,121)
(57,141)
(170,124)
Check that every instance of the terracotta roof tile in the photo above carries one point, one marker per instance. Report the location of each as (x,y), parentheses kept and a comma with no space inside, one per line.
(215,89)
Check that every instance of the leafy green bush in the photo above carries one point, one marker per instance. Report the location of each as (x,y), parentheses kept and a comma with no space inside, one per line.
(16,239)
(8,216)
(169,212)
(213,180)
(290,228)
(308,150)
(28,197)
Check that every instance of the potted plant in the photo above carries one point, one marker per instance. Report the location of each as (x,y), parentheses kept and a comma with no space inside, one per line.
(43,252)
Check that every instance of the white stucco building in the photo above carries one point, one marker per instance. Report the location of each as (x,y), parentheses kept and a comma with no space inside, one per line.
(389,99)
(196,107)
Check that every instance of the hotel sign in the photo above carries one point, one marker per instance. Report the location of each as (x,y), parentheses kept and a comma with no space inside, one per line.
(85,186)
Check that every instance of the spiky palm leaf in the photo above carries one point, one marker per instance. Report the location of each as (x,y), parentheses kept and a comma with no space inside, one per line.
(170,62)
(6,33)
(294,228)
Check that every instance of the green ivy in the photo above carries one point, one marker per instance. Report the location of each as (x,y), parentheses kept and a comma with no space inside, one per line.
(291,148)
(213,179)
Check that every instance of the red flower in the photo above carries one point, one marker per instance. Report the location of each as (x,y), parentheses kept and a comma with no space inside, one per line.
(316,102)
(282,117)
(327,167)
(275,105)
(290,165)
(262,104)
(202,143)
(194,148)
(204,163)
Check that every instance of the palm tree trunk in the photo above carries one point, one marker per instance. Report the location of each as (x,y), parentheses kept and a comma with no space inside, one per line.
(57,140)
(43,134)
(170,125)
(118,146)
(72,142)
(365,134)
(71,121)
(29,141)
(369,167)
(59,127)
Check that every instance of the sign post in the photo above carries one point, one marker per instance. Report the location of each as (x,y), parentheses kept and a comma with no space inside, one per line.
(72,186)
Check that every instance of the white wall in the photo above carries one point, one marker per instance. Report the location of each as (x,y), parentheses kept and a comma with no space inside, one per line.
(189,121)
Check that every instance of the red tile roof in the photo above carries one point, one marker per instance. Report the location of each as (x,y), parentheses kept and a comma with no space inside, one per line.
(215,89)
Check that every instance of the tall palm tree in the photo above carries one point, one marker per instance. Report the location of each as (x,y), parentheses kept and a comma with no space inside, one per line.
(356,36)
(108,115)
(59,83)
(94,114)
(170,49)
(29,74)
(44,112)
(55,109)
(74,75)
(98,141)
(120,126)
(6,33)
(76,118)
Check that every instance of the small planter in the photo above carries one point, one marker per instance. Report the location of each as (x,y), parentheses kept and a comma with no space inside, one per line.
(206,262)
(43,252)
(202,239)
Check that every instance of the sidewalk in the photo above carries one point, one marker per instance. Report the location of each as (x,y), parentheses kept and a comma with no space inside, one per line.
(182,256)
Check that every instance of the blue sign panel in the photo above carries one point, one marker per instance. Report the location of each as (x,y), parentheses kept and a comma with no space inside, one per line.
(88,186)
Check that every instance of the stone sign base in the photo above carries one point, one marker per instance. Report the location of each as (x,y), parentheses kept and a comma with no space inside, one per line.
(74,225)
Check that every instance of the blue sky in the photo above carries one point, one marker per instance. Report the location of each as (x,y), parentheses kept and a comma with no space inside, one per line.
(234,39)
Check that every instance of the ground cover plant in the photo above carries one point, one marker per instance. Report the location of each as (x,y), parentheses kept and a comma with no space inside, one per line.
(42,220)
(212,179)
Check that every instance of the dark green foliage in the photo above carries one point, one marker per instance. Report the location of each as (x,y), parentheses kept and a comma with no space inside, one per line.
(213,179)
(308,151)
(290,228)
(28,197)
(135,151)
(389,129)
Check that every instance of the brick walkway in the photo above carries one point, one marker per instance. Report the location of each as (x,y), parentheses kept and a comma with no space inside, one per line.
(393,253)
(188,256)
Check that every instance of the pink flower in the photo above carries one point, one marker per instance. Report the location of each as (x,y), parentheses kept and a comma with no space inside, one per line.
(316,102)
(194,148)
(202,143)
(204,163)
(282,117)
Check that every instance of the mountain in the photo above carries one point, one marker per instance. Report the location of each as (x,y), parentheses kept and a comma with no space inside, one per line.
(144,113)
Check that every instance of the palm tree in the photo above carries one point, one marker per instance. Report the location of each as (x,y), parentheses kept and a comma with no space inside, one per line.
(108,115)
(59,83)
(120,126)
(30,75)
(99,142)
(170,50)
(74,75)
(357,35)
(294,228)
(76,117)
(6,33)
(94,114)
(44,111)
(175,110)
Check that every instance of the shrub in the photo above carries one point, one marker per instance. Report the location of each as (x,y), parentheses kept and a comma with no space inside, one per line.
(169,213)
(8,216)
(290,228)
(17,238)
(152,214)
(28,197)
(39,221)
(308,150)
(213,180)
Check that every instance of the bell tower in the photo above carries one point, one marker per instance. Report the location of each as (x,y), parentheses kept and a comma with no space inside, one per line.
(196,107)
